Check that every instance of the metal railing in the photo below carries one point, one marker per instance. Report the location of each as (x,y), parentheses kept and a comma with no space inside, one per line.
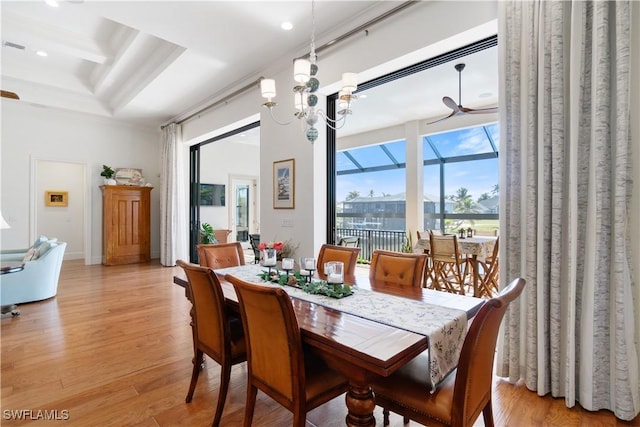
(371,239)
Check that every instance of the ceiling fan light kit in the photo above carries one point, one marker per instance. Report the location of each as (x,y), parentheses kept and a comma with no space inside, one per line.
(457,108)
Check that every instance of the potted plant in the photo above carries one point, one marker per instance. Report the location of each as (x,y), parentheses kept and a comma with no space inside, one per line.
(108,173)
(207,233)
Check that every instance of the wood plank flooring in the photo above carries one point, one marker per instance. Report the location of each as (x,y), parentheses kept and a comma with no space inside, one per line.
(114,349)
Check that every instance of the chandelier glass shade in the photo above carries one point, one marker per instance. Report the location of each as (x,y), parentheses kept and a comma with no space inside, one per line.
(305,99)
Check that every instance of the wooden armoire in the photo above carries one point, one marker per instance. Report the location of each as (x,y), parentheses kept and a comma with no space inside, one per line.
(126,230)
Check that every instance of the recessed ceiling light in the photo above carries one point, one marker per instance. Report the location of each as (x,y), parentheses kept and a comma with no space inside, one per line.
(41,53)
(363,96)
(286,25)
(485,95)
(52,3)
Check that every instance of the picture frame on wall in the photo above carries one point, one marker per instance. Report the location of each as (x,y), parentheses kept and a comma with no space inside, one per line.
(56,198)
(284,184)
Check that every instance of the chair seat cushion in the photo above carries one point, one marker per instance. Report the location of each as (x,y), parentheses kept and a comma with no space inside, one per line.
(410,387)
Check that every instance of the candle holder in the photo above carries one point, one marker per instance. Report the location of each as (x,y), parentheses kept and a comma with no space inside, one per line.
(307,267)
(269,258)
(469,232)
(334,270)
(461,233)
(287,264)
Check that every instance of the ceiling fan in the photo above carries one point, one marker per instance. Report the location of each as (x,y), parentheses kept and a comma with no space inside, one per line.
(7,94)
(458,109)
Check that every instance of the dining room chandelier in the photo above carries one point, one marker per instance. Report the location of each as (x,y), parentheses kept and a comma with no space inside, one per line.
(305,73)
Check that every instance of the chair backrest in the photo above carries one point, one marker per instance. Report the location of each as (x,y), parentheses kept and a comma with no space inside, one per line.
(485,232)
(397,268)
(274,345)
(220,255)
(348,256)
(444,248)
(475,365)
(425,234)
(254,239)
(350,241)
(210,328)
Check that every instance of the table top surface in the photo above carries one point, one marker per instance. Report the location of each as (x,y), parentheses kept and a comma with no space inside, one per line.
(373,346)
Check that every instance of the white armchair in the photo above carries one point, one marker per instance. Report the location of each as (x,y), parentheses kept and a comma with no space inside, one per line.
(37,281)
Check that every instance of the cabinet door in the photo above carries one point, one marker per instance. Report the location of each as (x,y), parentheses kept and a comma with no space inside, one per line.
(126,227)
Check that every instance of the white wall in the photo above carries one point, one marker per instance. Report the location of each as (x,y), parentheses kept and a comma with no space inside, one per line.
(218,161)
(66,223)
(30,132)
(421,31)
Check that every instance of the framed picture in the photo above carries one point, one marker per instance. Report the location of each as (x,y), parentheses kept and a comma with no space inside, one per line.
(284,184)
(56,198)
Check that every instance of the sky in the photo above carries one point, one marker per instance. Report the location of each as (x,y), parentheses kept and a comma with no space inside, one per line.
(477,176)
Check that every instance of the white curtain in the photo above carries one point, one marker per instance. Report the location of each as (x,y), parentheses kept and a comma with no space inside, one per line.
(565,188)
(173,222)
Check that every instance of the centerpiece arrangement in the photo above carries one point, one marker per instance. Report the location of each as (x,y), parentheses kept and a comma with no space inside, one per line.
(315,287)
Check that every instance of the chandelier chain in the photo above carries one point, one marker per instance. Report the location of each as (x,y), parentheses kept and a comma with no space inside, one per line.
(312,54)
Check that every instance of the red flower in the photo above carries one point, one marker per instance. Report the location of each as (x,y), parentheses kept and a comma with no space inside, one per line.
(278,246)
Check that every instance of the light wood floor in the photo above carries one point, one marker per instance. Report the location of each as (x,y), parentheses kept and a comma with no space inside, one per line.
(114,349)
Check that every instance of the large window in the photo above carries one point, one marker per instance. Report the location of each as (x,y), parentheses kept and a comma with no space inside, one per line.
(467,161)
(367,169)
(460,182)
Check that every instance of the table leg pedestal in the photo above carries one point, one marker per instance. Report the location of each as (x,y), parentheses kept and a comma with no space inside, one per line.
(360,404)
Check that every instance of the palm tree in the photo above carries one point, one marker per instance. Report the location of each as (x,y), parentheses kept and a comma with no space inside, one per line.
(370,193)
(463,201)
(483,196)
(496,190)
(463,204)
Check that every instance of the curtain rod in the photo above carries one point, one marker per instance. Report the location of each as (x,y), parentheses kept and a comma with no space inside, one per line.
(220,101)
(320,49)
(366,25)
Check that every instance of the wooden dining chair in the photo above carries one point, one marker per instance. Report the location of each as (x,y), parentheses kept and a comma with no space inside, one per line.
(255,242)
(277,363)
(450,270)
(459,399)
(348,256)
(220,255)
(349,241)
(490,233)
(216,334)
(428,269)
(488,279)
(397,268)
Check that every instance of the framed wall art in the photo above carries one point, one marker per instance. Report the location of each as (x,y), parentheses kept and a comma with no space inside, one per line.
(56,198)
(284,178)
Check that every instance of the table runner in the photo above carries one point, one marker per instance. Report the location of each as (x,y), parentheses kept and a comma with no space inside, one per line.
(444,327)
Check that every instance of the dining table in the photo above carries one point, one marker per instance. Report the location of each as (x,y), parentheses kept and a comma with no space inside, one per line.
(358,346)
(475,248)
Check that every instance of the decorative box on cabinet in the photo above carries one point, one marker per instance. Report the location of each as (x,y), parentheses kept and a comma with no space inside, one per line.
(126,232)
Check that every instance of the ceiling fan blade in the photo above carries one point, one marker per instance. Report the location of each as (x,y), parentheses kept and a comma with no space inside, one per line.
(453,113)
(7,94)
(479,110)
(450,103)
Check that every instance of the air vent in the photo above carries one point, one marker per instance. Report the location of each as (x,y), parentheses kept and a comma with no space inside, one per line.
(13,45)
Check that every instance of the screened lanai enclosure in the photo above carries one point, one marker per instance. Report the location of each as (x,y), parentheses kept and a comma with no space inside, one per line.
(376,198)
(460,186)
